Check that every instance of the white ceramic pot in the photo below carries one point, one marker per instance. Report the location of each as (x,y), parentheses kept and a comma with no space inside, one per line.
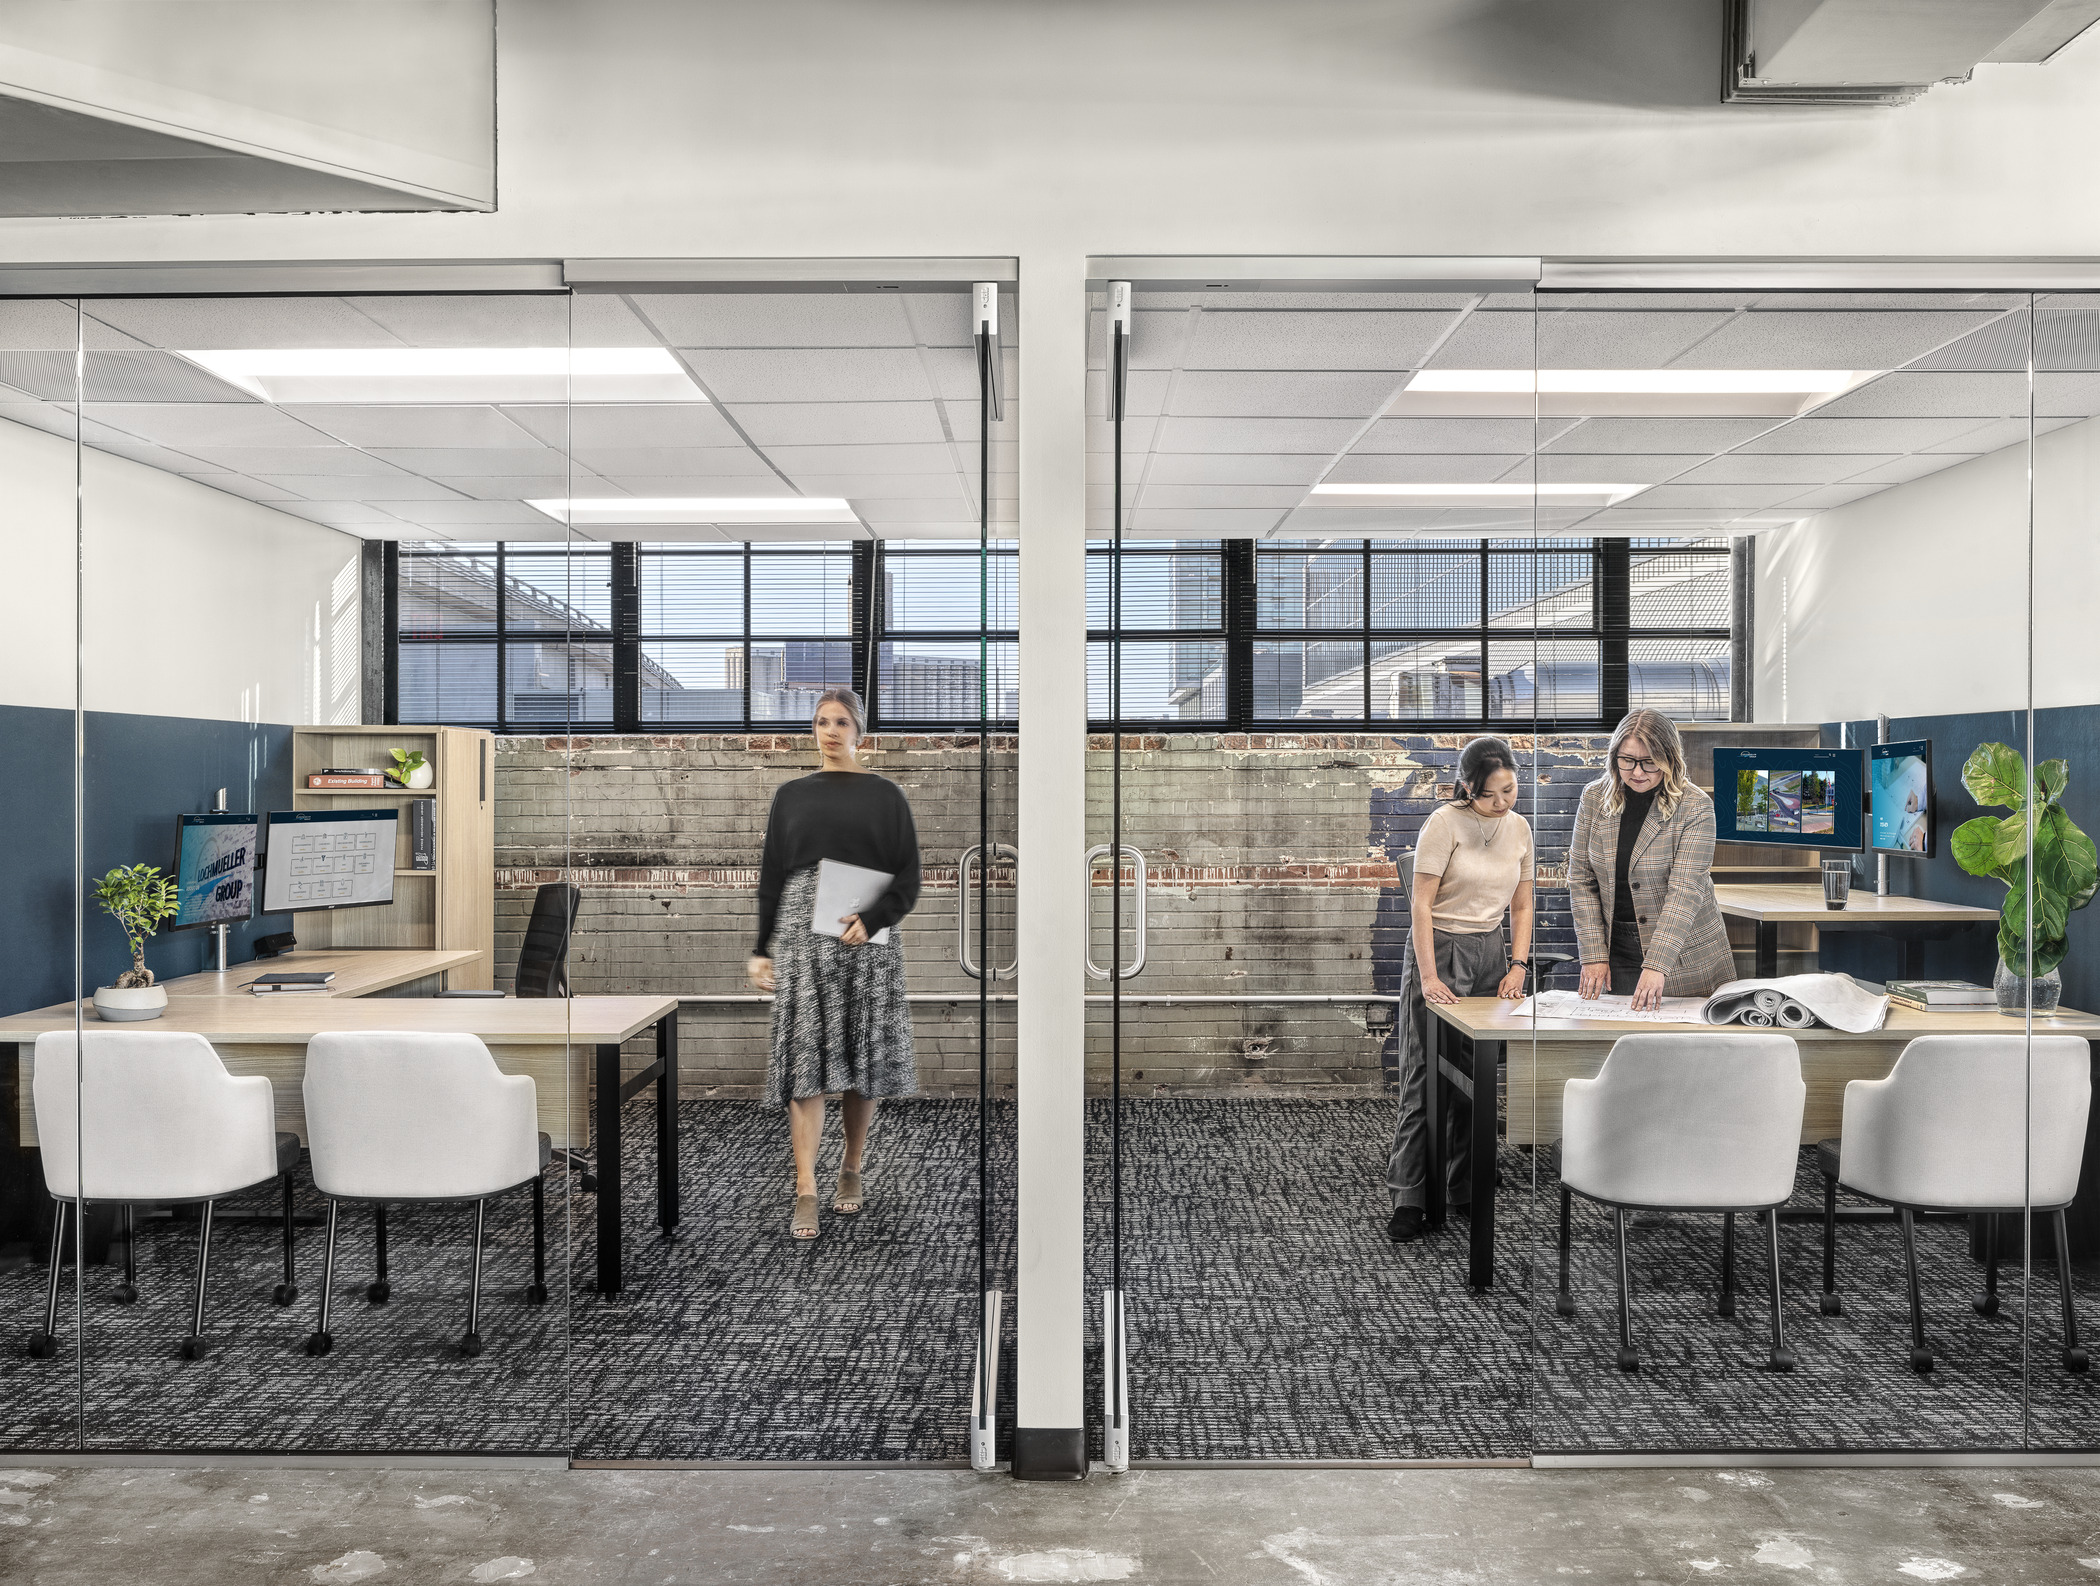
(422,776)
(127,1004)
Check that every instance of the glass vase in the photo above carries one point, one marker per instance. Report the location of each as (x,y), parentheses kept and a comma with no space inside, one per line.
(2014,990)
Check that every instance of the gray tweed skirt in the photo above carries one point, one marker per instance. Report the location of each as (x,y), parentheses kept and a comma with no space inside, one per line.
(840,1021)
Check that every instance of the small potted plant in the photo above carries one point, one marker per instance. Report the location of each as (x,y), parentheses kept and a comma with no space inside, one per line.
(410,769)
(2066,870)
(138,898)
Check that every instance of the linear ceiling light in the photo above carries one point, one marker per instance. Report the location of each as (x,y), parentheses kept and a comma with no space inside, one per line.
(665,512)
(1630,393)
(1499,495)
(454,374)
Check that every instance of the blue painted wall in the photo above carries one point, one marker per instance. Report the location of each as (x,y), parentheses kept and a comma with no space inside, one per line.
(2072,734)
(141,772)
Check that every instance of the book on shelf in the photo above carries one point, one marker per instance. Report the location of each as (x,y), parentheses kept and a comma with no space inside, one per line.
(356,780)
(422,835)
(1942,994)
(285,991)
(295,977)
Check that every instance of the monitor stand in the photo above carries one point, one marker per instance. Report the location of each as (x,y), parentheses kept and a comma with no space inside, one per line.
(219,933)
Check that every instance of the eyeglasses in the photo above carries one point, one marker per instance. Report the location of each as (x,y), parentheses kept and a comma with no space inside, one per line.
(1643,767)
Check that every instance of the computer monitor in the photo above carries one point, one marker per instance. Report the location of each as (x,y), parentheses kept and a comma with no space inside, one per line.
(1899,798)
(1790,798)
(214,870)
(328,859)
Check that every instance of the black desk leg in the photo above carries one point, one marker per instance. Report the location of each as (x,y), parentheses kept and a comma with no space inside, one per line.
(1767,949)
(1487,1076)
(1433,1105)
(607,1151)
(1910,956)
(667,1124)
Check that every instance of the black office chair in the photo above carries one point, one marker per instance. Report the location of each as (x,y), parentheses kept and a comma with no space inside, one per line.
(543,971)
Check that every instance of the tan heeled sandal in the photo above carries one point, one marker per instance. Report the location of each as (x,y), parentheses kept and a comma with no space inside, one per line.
(805,1224)
(847,1202)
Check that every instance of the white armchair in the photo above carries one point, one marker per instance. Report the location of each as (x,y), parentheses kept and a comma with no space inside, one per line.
(1947,1131)
(1695,1123)
(413,1116)
(152,1116)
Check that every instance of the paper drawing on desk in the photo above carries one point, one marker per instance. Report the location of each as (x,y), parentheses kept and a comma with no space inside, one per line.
(1790,1002)
(1571,1005)
(844,889)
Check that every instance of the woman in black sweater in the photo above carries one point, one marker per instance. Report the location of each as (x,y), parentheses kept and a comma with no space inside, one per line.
(840,1021)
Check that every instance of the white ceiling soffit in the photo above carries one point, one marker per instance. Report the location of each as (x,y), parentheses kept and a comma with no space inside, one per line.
(1820,52)
(785,275)
(269,276)
(1338,273)
(1819,275)
(135,107)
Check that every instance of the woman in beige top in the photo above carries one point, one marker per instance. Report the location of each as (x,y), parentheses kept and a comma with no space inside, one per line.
(1473,864)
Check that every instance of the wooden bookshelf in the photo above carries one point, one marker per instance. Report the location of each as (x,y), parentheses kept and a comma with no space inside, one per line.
(451,906)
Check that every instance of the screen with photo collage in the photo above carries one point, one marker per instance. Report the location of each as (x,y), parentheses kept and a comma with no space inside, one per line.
(1795,798)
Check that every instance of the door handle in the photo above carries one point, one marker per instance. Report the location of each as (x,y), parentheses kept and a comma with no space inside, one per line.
(1094,856)
(973,859)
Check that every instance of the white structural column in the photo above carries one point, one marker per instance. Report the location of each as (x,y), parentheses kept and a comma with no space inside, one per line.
(1050,1437)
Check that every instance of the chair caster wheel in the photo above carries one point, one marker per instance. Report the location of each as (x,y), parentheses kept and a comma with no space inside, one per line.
(284,1294)
(470,1345)
(379,1293)
(42,1346)
(1629,1358)
(1784,1360)
(2075,1358)
(195,1348)
(1726,1307)
(590,1183)
(1985,1305)
(1564,1305)
(320,1344)
(1921,1362)
(535,1294)
(124,1294)
(1831,1305)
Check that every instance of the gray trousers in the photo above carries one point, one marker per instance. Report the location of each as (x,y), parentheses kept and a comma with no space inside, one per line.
(1472,966)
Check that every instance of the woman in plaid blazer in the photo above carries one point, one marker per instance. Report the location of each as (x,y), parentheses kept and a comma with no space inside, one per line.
(1654,930)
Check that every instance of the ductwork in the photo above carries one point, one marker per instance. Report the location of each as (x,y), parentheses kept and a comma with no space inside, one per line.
(1884,52)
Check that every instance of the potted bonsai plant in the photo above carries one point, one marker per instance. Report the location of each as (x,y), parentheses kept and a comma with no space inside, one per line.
(138,898)
(2065,870)
(410,769)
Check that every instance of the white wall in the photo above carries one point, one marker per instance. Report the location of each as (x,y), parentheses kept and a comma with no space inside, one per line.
(837,127)
(197,603)
(1915,600)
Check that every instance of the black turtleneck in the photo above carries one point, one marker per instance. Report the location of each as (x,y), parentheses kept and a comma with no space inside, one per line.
(1625,926)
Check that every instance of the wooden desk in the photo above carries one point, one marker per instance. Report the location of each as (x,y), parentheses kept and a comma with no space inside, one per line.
(358,972)
(569,1046)
(1910,921)
(1476,1034)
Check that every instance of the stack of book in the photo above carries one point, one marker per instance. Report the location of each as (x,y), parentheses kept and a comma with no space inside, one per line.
(275,985)
(1940,996)
(342,778)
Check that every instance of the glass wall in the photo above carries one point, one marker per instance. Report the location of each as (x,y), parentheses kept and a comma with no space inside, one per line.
(41,1303)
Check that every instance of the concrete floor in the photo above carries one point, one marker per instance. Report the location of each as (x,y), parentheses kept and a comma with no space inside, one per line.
(1508,1527)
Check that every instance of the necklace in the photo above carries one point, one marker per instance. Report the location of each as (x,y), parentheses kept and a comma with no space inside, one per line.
(1488,840)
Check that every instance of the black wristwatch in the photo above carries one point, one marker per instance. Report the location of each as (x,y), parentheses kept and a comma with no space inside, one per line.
(1520,963)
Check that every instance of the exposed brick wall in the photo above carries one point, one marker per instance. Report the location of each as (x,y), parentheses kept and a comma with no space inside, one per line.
(1272,859)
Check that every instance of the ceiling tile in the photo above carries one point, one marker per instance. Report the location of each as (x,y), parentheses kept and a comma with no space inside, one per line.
(1254,435)
(1717,498)
(463,513)
(806,319)
(1932,396)
(841,423)
(397,487)
(798,460)
(1458,435)
(499,487)
(871,486)
(766,483)
(1195,468)
(1320,339)
(1766,338)
(1613,338)
(1864,435)
(187,425)
(1417,468)
(907,509)
(1829,496)
(1196,523)
(337,514)
(1901,470)
(627,424)
(241,485)
(415,426)
(201,324)
(146,377)
(1782,468)
(38,324)
(471,320)
(694,462)
(338,461)
(1707,435)
(1200,393)
(1636,468)
(2067,395)
(542,462)
(1271,498)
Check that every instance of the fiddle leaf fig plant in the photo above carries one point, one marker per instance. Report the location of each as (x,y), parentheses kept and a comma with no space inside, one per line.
(2065,865)
(138,898)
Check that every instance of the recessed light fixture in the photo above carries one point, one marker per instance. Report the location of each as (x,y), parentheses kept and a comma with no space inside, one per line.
(1631,393)
(666,512)
(454,374)
(1457,495)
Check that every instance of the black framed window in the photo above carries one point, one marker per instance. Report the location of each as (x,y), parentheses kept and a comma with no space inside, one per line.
(1356,634)
(938,625)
